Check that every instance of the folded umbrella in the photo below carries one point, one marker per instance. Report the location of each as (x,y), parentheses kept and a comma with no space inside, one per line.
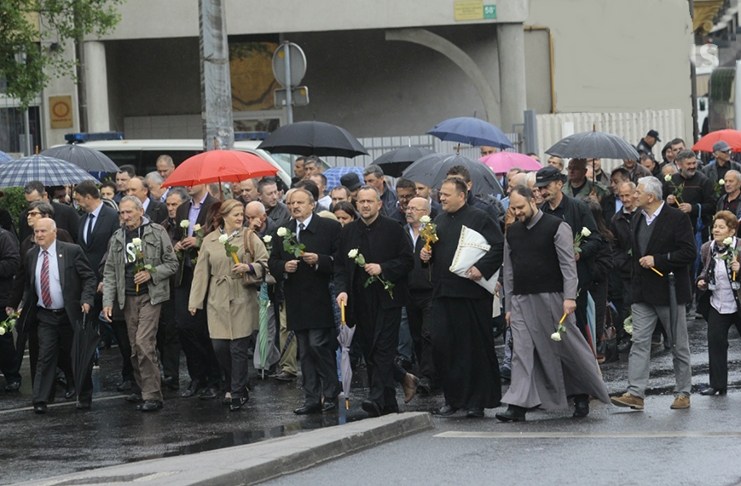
(84,344)
(344,337)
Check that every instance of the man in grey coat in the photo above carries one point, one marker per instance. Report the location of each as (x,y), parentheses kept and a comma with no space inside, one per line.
(551,362)
(140,262)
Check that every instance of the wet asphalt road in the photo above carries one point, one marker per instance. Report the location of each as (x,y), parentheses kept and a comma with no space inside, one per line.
(113,432)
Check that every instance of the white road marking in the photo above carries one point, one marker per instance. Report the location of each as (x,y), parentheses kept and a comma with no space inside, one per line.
(585,435)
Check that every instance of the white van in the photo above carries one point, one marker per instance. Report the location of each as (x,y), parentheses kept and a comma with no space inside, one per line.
(143,154)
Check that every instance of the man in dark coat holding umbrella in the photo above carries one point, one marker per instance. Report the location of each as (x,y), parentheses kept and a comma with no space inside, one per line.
(371,266)
(662,242)
(308,299)
(462,339)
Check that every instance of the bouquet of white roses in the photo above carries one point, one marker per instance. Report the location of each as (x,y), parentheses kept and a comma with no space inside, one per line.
(139,265)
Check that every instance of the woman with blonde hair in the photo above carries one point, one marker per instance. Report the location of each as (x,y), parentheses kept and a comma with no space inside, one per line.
(231,263)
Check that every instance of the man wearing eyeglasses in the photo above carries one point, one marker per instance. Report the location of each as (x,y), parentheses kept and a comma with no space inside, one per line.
(405,191)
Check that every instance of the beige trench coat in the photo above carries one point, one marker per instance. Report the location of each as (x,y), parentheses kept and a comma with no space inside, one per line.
(232,309)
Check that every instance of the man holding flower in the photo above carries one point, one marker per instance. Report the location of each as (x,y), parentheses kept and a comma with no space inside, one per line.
(375,292)
(137,274)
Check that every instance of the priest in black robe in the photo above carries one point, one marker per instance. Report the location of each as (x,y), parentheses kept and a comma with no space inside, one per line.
(462,333)
(375,307)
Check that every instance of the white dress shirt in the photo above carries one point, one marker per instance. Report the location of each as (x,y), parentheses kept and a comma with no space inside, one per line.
(55,284)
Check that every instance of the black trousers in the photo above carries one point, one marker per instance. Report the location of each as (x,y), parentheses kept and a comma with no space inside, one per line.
(203,367)
(124,347)
(234,360)
(316,354)
(379,337)
(55,343)
(418,313)
(8,358)
(718,326)
(168,343)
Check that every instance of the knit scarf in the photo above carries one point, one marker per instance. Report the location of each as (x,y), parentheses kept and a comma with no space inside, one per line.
(717,255)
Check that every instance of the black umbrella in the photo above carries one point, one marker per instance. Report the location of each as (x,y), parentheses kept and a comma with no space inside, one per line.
(431,171)
(393,163)
(84,343)
(671,328)
(313,138)
(85,158)
(594,145)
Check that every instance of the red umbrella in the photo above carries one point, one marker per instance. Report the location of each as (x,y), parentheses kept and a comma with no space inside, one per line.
(729,136)
(219,166)
(503,162)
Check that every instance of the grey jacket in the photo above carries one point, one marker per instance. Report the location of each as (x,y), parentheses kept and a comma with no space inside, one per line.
(158,252)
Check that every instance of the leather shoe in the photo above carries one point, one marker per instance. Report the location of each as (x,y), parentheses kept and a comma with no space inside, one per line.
(13,386)
(512,414)
(446,410)
(307,409)
(69,393)
(208,393)
(134,398)
(238,403)
(284,376)
(424,387)
(409,384)
(83,405)
(150,406)
(329,405)
(39,408)
(709,391)
(371,408)
(172,383)
(125,385)
(581,406)
(475,413)
(192,389)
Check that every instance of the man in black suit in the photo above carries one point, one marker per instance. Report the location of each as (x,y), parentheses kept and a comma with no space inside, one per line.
(193,330)
(97,226)
(60,287)
(154,210)
(374,307)
(10,261)
(65,216)
(662,242)
(309,309)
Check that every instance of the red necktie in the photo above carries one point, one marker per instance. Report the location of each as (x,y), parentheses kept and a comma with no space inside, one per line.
(45,291)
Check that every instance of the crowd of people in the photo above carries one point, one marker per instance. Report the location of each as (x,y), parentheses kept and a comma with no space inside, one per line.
(587,264)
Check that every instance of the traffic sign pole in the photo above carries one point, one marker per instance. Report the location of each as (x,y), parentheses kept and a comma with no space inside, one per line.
(289,97)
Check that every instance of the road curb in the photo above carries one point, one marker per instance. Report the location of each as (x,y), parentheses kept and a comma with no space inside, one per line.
(255,463)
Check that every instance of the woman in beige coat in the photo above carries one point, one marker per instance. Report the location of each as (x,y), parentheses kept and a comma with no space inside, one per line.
(232,308)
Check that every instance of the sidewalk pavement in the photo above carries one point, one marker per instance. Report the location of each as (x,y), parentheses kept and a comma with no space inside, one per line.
(254,463)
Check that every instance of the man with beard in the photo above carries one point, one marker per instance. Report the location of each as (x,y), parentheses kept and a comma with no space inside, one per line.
(549,181)
(375,291)
(692,192)
(309,309)
(462,338)
(540,285)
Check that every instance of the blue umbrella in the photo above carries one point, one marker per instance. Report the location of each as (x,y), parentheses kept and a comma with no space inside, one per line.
(5,157)
(48,170)
(472,131)
(333,175)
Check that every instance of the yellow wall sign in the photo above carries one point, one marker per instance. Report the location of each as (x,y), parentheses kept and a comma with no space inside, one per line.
(60,111)
(474,10)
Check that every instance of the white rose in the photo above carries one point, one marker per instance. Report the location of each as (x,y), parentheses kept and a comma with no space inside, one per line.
(585,232)
(722,182)
(267,238)
(668,178)
(184,224)
(728,241)
(2,330)
(282,231)
(197,227)
(352,253)
(424,219)
(223,239)
(137,242)
(556,336)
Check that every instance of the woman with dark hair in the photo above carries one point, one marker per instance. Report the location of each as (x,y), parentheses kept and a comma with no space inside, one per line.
(232,308)
(600,268)
(667,154)
(345,212)
(720,278)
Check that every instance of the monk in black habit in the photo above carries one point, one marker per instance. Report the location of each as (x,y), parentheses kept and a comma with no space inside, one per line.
(462,335)
(374,309)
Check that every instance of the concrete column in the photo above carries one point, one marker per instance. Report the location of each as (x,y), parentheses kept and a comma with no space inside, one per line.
(96,87)
(511,43)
